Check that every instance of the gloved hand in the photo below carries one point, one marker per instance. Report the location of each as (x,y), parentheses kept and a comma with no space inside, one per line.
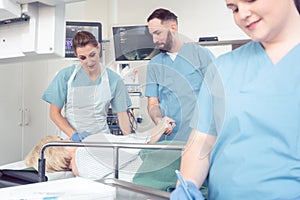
(78,137)
(179,194)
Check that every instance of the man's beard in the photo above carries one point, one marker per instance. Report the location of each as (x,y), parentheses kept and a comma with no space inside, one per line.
(168,44)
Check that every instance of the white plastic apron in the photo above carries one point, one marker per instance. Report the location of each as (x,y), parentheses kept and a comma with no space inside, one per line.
(87,106)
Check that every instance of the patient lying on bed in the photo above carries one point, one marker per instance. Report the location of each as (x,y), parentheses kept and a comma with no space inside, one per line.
(96,163)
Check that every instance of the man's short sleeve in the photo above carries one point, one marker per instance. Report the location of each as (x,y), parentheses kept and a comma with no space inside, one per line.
(151,81)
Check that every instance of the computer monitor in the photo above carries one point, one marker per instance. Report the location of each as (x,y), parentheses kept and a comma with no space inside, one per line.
(73,27)
(133,43)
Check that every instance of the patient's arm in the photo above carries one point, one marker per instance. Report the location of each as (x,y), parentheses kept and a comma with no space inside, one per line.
(157,131)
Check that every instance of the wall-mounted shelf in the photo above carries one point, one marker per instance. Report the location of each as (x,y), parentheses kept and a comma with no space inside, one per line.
(234,43)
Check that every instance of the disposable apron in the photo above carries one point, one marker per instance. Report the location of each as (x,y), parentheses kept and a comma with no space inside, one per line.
(87,106)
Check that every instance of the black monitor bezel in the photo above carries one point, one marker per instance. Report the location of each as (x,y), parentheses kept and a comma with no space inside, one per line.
(116,44)
(81,26)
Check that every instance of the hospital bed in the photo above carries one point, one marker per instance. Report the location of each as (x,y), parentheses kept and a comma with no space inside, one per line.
(123,189)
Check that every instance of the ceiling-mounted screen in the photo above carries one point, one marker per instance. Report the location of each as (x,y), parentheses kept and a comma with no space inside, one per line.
(73,27)
(133,43)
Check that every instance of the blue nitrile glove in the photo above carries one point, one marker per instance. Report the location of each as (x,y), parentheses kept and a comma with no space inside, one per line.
(179,194)
(78,137)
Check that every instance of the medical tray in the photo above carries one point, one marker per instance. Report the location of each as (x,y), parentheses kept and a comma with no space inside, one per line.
(127,190)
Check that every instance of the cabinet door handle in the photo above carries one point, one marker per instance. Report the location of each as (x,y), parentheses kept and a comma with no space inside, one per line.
(20,123)
(26,117)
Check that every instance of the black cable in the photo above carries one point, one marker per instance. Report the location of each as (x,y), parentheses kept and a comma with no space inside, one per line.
(132,120)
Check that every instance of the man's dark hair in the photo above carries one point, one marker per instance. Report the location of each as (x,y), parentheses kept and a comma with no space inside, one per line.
(163,15)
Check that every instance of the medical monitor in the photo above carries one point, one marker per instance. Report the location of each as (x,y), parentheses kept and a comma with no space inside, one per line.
(133,43)
(73,27)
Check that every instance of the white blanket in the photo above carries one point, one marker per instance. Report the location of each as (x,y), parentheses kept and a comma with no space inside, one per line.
(71,189)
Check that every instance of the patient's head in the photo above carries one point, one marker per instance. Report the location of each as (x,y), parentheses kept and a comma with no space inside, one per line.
(57,158)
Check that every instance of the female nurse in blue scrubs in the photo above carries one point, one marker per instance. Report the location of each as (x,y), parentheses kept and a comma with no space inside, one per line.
(86,91)
(247,139)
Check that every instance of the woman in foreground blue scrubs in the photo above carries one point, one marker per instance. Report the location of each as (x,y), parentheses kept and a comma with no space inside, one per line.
(247,139)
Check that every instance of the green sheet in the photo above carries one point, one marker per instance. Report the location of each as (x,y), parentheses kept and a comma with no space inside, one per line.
(158,169)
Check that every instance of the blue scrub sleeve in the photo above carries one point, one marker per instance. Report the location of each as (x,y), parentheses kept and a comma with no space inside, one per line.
(56,93)
(210,109)
(121,101)
(151,82)
(202,119)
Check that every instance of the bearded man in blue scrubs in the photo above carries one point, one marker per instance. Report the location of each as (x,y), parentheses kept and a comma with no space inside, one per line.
(174,76)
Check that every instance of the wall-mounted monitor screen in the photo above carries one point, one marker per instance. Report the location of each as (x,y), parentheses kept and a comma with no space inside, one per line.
(133,43)
(73,27)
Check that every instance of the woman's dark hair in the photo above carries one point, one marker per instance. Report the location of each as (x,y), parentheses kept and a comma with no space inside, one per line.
(163,15)
(83,38)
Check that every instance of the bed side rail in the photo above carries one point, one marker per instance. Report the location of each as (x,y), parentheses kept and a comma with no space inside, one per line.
(114,146)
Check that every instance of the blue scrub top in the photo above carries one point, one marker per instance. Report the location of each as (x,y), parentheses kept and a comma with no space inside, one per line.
(177,84)
(254,109)
(56,93)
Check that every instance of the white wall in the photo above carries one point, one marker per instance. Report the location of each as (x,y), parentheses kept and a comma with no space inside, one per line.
(197,18)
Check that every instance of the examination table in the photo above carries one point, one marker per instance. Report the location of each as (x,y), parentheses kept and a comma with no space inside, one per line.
(118,189)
